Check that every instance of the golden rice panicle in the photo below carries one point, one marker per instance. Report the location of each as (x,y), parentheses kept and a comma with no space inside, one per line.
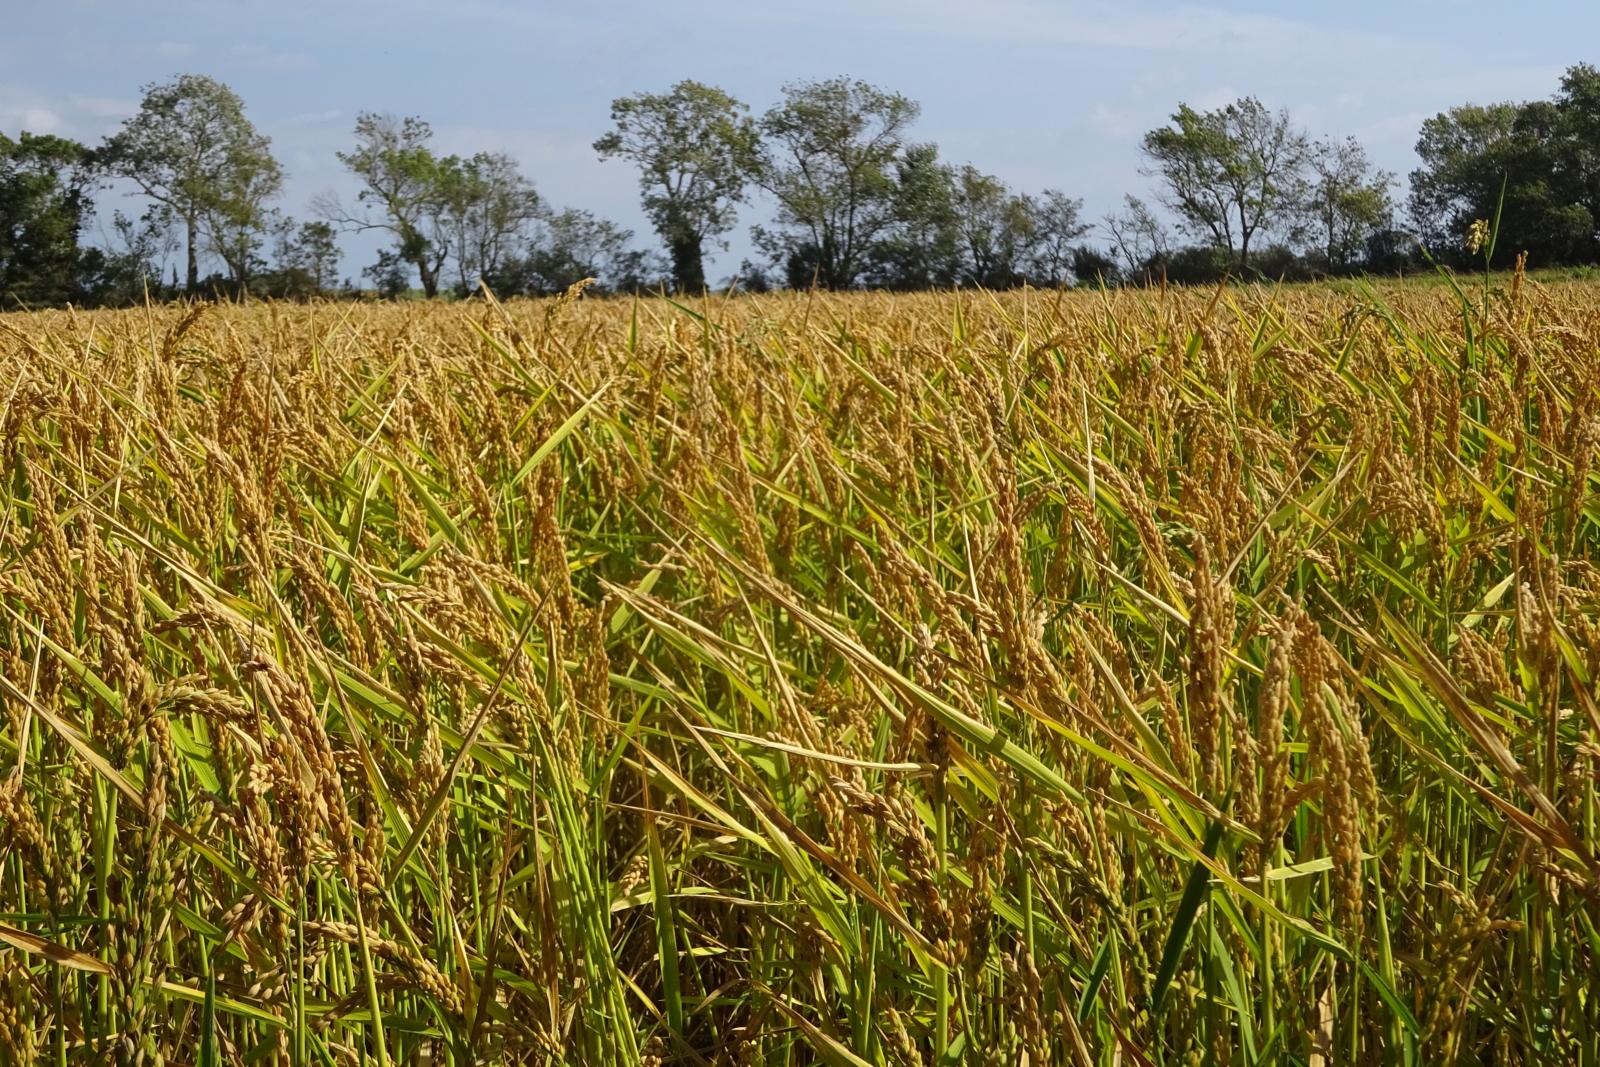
(1210,627)
(1341,818)
(1480,665)
(1272,714)
(21,833)
(18,1018)
(142,908)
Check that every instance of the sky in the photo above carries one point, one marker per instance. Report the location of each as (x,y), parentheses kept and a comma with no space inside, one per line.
(1044,95)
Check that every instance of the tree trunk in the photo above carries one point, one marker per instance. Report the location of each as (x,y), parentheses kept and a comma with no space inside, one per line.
(430,279)
(688,266)
(192,280)
(830,268)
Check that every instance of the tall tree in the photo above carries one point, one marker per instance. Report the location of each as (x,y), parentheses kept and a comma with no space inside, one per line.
(695,147)
(1578,105)
(403,179)
(828,159)
(46,190)
(571,245)
(1347,201)
(922,248)
(236,223)
(488,206)
(191,150)
(130,266)
(1229,173)
(1464,153)
(1521,162)
(998,229)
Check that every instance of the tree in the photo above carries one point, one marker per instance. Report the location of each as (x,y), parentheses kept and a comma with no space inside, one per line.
(1138,238)
(1057,225)
(191,149)
(1393,250)
(487,208)
(571,245)
(1464,153)
(1192,265)
(1229,173)
(695,148)
(475,210)
(46,189)
(921,250)
(1346,201)
(236,224)
(1521,162)
(750,278)
(404,180)
(1545,212)
(828,159)
(388,273)
(958,225)
(1578,106)
(1093,266)
(996,228)
(307,257)
(127,269)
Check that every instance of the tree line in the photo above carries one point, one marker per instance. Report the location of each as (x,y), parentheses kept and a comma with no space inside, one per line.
(855,200)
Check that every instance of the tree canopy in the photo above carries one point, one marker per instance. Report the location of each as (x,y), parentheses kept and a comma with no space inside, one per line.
(1230,173)
(45,188)
(828,160)
(192,151)
(851,197)
(404,181)
(696,149)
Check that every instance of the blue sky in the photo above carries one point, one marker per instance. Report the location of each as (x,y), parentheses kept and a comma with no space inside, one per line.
(1042,94)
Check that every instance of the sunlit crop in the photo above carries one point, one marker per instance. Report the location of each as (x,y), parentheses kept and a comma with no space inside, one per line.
(1141,677)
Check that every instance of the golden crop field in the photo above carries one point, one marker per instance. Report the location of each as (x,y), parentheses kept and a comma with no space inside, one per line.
(1093,678)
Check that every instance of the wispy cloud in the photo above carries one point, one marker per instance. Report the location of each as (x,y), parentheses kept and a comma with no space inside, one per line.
(169,49)
(1117,123)
(67,114)
(30,119)
(1210,99)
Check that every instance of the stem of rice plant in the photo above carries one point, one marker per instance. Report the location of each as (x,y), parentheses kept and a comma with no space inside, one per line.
(941,976)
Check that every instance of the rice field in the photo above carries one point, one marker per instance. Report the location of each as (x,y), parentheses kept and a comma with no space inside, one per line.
(1144,677)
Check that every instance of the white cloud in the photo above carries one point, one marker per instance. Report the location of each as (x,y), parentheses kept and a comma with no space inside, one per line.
(85,118)
(23,109)
(39,120)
